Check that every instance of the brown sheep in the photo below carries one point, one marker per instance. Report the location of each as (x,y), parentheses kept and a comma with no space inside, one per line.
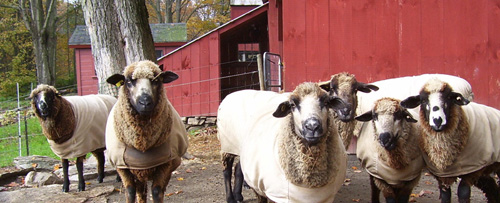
(459,140)
(145,136)
(74,126)
(388,151)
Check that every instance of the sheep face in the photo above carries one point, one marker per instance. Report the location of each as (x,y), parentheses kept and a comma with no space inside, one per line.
(436,99)
(345,86)
(143,85)
(387,117)
(308,107)
(45,101)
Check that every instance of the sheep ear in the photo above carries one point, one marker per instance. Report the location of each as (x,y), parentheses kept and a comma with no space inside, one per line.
(458,99)
(368,116)
(116,79)
(411,102)
(325,85)
(283,109)
(169,76)
(366,88)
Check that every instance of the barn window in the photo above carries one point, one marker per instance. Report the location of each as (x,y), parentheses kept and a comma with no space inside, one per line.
(158,53)
(248,52)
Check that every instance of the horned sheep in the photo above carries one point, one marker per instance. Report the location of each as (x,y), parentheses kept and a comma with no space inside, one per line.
(388,152)
(459,139)
(145,136)
(292,153)
(74,126)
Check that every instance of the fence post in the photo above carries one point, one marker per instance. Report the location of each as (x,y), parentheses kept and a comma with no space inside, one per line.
(19,119)
(261,72)
(26,134)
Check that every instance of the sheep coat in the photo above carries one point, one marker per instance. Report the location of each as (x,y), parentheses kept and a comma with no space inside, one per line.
(263,172)
(403,87)
(91,112)
(367,153)
(127,157)
(483,144)
(239,111)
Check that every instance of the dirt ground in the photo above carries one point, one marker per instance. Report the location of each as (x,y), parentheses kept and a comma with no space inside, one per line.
(200,180)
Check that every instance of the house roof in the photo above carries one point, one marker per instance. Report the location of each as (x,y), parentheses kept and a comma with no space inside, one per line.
(165,32)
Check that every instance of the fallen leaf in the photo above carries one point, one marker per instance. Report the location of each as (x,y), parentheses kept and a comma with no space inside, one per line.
(176,172)
(189,170)
(179,192)
(347,180)
(413,195)
(354,168)
(88,183)
(346,183)
(34,165)
(357,171)
(203,168)
(427,174)
(424,192)
(412,199)
(356,200)
(180,178)
(57,167)
(12,184)
(169,194)
(428,182)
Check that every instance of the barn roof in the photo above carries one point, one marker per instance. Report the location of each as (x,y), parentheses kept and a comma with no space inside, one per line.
(165,32)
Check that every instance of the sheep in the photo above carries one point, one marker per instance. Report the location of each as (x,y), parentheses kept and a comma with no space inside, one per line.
(388,152)
(458,139)
(74,126)
(345,86)
(145,136)
(293,153)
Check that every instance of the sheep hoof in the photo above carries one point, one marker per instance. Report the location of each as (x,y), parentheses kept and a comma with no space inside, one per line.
(65,188)
(81,187)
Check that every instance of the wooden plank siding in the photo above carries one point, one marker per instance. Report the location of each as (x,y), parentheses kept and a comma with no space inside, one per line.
(377,40)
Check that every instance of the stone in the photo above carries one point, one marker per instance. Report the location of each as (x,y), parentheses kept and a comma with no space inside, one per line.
(35,178)
(39,162)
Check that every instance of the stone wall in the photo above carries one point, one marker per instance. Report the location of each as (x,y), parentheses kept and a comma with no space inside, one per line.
(198,122)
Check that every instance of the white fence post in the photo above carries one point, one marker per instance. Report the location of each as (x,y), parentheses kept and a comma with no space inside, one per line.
(19,119)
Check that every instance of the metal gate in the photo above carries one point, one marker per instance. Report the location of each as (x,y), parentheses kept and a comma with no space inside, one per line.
(273,72)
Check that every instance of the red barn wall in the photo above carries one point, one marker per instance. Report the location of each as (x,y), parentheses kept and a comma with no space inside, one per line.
(383,39)
(85,73)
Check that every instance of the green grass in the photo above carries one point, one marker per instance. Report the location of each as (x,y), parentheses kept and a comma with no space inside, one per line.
(9,142)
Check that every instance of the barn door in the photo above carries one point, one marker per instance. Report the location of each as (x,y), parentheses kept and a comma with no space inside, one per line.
(272,69)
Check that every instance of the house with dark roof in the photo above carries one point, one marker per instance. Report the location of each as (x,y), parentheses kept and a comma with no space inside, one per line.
(167,37)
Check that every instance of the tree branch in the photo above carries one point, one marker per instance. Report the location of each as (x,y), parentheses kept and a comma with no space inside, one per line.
(48,16)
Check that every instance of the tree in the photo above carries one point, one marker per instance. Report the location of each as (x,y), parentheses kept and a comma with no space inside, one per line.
(119,34)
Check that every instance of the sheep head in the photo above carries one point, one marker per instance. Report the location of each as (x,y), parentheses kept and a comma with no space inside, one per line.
(388,118)
(437,103)
(308,106)
(345,86)
(143,85)
(45,100)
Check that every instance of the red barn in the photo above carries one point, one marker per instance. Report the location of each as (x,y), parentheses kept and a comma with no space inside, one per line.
(372,39)
(167,37)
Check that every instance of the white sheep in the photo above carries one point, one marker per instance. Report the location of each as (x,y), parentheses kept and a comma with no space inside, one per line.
(345,86)
(389,152)
(145,136)
(459,139)
(74,126)
(294,154)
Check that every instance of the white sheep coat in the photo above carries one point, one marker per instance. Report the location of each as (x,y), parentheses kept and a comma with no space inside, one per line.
(263,172)
(483,145)
(91,112)
(175,146)
(404,87)
(368,154)
(239,112)
(247,128)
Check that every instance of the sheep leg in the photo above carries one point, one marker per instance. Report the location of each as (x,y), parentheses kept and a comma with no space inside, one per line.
(161,179)
(238,183)
(488,185)
(375,190)
(260,198)
(79,168)
(99,155)
(65,166)
(444,192)
(141,191)
(227,163)
(128,181)
(463,192)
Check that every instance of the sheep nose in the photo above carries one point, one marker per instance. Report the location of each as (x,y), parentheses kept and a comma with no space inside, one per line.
(438,121)
(387,141)
(145,100)
(42,105)
(312,124)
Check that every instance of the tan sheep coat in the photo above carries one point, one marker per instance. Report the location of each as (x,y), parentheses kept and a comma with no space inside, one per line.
(91,112)
(126,157)
(263,172)
(238,113)
(483,145)
(367,153)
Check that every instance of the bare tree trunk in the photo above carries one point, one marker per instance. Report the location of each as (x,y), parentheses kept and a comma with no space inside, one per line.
(168,11)
(157,9)
(119,34)
(42,25)
(178,10)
